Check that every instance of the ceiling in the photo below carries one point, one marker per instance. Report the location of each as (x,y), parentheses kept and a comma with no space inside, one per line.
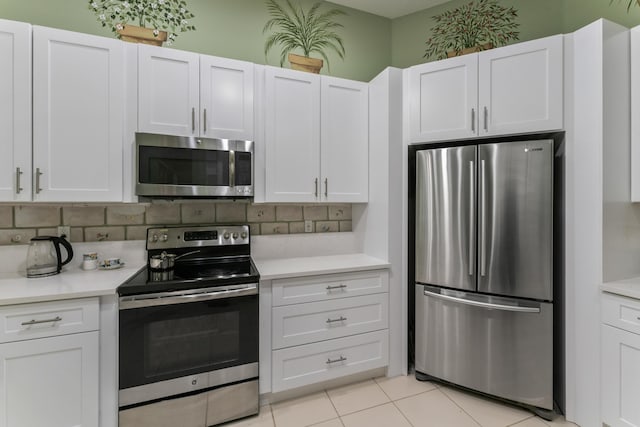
(390,8)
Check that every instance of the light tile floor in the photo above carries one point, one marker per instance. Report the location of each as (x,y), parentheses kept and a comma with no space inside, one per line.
(394,402)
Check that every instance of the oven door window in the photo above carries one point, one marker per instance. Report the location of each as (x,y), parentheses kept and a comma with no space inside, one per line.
(166,342)
(183,166)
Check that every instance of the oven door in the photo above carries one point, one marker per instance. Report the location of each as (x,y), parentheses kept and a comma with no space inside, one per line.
(174,343)
(192,167)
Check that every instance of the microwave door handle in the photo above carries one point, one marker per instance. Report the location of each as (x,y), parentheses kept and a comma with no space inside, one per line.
(232,168)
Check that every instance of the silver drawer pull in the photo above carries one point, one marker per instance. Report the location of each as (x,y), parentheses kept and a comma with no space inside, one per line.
(341,359)
(340,319)
(340,286)
(36,322)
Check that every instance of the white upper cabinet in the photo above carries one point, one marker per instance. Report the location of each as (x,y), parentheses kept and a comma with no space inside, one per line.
(78,93)
(344,140)
(15,111)
(316,138)
(168,91)
(520,87)
(226,98)
(508,90)
(187,94)
(444,99)
(292,136)
(635,112)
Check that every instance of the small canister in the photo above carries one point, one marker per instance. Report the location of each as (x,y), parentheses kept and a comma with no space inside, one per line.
(90,261)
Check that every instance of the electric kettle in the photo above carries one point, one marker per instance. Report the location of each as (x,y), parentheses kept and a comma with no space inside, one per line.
(44,258)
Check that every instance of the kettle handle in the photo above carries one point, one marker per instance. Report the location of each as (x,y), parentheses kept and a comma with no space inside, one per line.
(62,241)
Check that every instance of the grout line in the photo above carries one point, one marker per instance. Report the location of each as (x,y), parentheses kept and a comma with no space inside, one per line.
(461,408)
(522,420)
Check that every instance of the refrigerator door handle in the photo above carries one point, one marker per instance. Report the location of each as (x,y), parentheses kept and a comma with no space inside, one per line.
(483,220)
(487,305)
(471,216)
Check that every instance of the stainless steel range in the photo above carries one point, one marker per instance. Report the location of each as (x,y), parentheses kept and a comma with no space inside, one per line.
(188,324)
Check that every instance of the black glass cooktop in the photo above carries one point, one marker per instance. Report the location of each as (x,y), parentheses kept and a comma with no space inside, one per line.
(192,275)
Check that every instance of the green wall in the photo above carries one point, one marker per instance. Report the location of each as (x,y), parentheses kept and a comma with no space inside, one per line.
(537,18)
(229,28)
(233,28)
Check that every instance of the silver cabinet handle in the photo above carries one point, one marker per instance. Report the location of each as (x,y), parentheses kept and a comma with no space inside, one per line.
(486,119)
(204,119)
(326,187)
(502,307)
(339,319)
(36,322)
(38,175)
(340,286)
(340,359)
(18,187)
(483,219)
(193,120)
(471,215)
(316,193)
(473,120)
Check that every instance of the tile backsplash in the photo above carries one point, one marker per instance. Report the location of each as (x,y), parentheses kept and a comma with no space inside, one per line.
(90,223)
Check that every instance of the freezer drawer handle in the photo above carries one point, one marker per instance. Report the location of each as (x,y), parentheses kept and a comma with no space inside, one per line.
(37,322)
(484,304)
(341,359)
(340,286)
(339,319)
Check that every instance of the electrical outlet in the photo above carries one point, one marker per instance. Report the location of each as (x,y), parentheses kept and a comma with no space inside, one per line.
(308,226)
(64,230)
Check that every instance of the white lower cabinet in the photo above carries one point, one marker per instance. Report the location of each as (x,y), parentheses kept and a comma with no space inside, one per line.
(328,326)
(620,361)
(53,380)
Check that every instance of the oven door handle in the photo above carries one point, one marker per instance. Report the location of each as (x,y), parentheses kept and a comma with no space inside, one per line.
(153,300)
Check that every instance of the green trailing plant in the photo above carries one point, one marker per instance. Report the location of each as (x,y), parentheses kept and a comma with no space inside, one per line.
(171,16)
(470,25)
(309,31)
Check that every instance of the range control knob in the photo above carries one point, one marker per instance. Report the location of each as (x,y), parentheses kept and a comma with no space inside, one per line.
(235,235)
(243,234)
(165,237)
(154,238)
(226,235)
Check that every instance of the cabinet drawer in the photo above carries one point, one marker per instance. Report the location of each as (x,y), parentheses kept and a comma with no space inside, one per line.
(323,320)
(327,287)
(623,313)
(307,364)
(48,319)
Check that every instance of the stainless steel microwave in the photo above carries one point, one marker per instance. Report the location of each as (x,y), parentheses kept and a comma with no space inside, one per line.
(177,166)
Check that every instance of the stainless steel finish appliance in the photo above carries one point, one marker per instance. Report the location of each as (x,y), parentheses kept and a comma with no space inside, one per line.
(174,166)
(188,341)
(484,268)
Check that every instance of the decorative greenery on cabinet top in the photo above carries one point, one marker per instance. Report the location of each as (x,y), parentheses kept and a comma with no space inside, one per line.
(160,15)
(310,31)
(480,24)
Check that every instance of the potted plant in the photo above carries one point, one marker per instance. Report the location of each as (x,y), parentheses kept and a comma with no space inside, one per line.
(157,20)
(308,31)
(472,27)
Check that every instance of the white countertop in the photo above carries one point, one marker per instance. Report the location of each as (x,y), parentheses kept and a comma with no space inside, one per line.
(72,282)
(626,288)
(307,266)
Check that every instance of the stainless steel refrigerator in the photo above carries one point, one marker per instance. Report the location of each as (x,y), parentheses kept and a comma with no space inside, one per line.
(484,268)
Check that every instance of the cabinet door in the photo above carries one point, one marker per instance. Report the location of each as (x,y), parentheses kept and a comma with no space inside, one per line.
(520,87)
(344,146)
(292,136)
(620,374)
(78,92)
(635,112)
(226,98)
(168,91)
(443,99)
(15,111)
(50,382)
